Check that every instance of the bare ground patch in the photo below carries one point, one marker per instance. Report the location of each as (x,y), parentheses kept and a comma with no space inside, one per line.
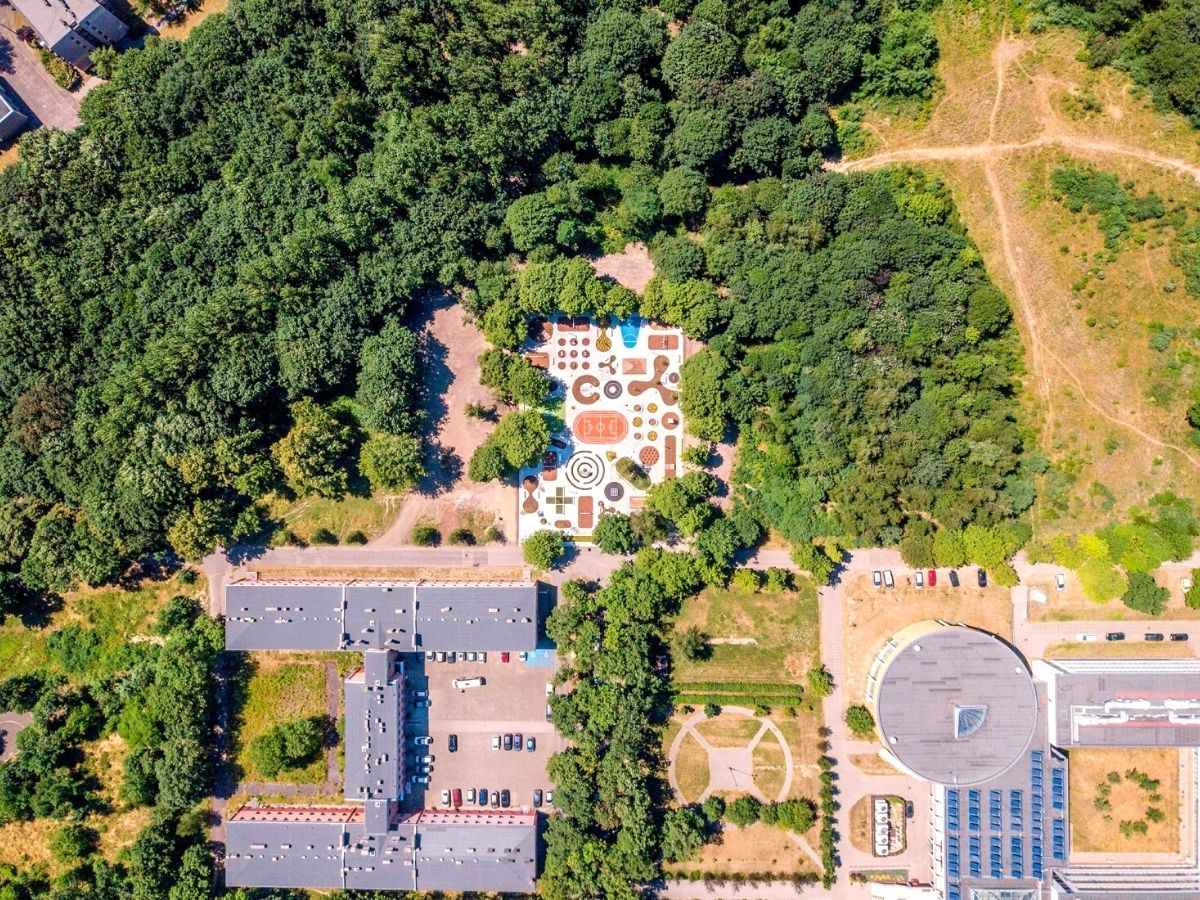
(631,267)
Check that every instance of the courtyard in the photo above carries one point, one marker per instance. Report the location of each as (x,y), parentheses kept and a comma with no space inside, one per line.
(621,430)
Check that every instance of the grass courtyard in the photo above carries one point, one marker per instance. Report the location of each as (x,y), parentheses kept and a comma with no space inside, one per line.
(1104,794)
(277,688)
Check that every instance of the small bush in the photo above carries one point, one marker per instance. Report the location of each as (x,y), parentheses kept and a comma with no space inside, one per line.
(462,537)
(860,721)
(713,808)
(324,536)
(187,576)
(426,535)
(492,535)
(744,811)
(356,537)
(712,710)
(745,581)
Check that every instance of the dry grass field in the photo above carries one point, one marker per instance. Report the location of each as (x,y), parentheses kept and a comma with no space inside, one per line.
(1094,830)
(1128,649)
(872,616)
(1105,407)
(279,690)
(691,769)
(769,769)
(757,849)
(729,731)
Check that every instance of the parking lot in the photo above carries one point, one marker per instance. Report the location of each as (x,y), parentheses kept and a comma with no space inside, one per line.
(512,700)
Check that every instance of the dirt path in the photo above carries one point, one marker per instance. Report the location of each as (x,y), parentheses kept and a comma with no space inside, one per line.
(991,152)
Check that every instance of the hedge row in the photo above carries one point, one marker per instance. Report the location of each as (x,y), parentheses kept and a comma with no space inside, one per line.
(737,700)
(735,687)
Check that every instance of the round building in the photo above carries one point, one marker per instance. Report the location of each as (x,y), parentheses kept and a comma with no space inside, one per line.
(954,705)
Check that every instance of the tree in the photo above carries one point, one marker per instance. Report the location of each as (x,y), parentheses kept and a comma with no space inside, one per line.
(682,834)
(198,531)
(744,811)
(389,373)
(425,534)
(543,549)
(860,721)
(73,843)
(820,682)
(796,815)
(614,534)
(392,462)
(312,455)
(532,220)
(684,193)
(519,440)
(713,808)
(1191,596)
(691,643)
(1144,595)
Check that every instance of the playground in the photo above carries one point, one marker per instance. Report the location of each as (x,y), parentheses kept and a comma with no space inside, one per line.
(619,386)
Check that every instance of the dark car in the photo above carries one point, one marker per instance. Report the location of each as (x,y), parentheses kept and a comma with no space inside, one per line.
(482,795)
(453,743)
(1153,636)
(518,740)
(505,798)
(909,809)
(953,576)
(1115,636)
(982,578)
(537,797)
(495,799)
(1179,636)
(508,742)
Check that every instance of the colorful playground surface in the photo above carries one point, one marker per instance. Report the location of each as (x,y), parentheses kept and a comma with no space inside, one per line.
(619,385)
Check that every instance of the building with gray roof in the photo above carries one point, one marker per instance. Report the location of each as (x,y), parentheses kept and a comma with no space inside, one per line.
(11,121)
(960,709)
(405,616)
(72,29)
(372,845)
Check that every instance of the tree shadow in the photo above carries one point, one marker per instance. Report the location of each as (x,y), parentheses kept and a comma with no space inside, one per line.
(443,464)
(34,608)
(6,57)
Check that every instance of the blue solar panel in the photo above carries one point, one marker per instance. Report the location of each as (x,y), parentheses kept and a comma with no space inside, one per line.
(996,864)
(1058,788)
(952,892)
(1037,756)
(976,864)
(1058,834)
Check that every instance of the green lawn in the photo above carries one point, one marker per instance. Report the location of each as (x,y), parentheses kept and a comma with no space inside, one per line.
(783,625)
(276,691)
(342,517)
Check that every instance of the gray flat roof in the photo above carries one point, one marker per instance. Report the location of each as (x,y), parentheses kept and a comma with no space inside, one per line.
(53,19)
(374,729)
(398,615)
(940,682)
(464,851)
(1122,705)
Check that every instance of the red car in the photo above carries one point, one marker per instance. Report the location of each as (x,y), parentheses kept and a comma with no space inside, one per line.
(932,577)
(504,656)
(457,798)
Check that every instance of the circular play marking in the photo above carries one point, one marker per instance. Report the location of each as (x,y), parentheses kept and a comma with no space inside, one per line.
(614,491)
(584,470)
(613,389)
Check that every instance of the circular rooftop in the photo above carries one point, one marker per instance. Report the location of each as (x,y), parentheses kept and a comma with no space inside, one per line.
(956,706)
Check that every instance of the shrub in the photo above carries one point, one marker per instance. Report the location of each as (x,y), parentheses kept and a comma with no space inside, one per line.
(614,534)
(745,581)
(712,710)
(463,537)
(1144,595)
(744,811)
(691,644)
(713,808)
(356,537)
(287,746)
(492,535)
(187,576)
(544,548)
(860,721)
(425,535)
(72,844)
(1192,596)
(820,682)
(779,580)
(323,536)
(633,473)
(697,455)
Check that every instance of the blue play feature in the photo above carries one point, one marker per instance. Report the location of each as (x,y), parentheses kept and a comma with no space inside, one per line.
(542,659)
(629,331)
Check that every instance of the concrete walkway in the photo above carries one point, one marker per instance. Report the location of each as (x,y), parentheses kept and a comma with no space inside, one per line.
(731,768)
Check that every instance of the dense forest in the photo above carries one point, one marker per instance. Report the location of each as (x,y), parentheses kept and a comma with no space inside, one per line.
(1157,43)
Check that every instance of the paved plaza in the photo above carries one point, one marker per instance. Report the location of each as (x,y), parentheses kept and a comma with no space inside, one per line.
(619,385)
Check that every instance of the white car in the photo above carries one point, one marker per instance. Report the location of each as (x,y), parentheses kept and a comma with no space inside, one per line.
(549,687)
(919,579)
(888,579)
(877,578)
(422,740)
(1085,638)
(1060,581)
(425,760)
(430,656)
(461,684)
(441,656)
(471,656)
(495,742)
(482,656)
(470,795)
(445,796)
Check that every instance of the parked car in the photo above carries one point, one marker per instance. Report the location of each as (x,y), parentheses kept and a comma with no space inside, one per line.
(877,578)
(495,799)
(420,695)
(504,656)
(419,779)
(918,580)
(457,802)
(1179,636)
(428,760)
(1115,636)
(523,655)
(452,743)
(888,580)
(470,795)
(531,742)
(424,770)
(549,687)
(452,656)
(953,576)
(483,656)
(430,656)
(981,578)
(1060,582)
(505,798)
(508,742)
(441,656)
(461,684)
(933,577)
(422,740)
(517,741)
(909,809)
(1185,583)
(549,712)
(483,796)
(1153,636)
(550,797)
(495,742)
(471,656)
(537,798)
(1085,638)
(445,796)
(422,704)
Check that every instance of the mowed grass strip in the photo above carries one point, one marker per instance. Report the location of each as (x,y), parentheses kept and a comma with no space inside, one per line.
(729,731)
(277,692)
(691,769)
(770,769)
